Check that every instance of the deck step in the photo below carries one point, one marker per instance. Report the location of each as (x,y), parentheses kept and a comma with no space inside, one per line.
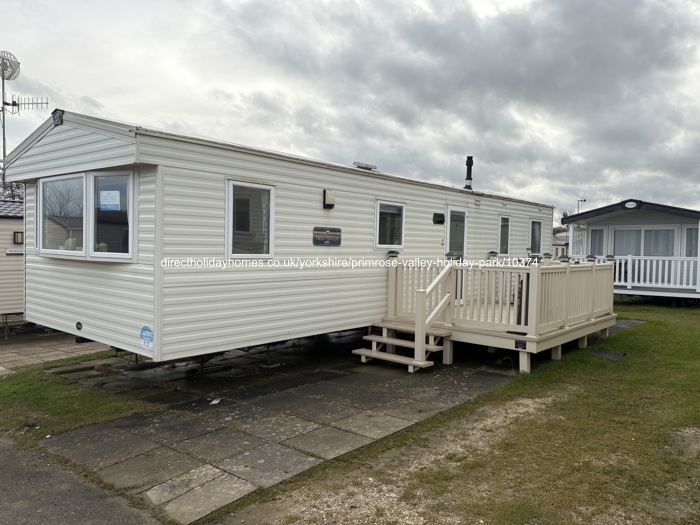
(410,328)
(400,342)
(404,360)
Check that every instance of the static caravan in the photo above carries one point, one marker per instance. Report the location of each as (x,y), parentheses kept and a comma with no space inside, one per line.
(655,246)
(172,246)
(11,260)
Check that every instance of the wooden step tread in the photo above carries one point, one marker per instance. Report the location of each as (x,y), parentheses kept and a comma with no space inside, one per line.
(405,360)
(400,342)
(409,328)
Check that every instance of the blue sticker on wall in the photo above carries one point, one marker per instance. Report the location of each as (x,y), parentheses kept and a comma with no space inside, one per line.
(146,338)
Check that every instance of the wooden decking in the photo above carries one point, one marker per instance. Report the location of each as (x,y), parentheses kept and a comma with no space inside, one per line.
(528,309)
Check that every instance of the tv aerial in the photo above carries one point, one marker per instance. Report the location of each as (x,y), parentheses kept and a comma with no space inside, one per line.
(9,70)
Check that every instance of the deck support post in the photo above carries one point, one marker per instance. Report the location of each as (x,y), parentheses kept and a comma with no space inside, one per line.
(605,333)
(447,355)
(583,341)
(556,353)
(524,362)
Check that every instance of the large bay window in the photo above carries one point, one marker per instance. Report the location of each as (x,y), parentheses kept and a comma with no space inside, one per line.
(86,215)
(250,220)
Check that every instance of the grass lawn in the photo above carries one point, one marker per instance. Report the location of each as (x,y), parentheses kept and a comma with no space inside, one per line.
(34,403)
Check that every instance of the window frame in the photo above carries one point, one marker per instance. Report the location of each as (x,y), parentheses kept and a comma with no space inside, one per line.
(129,213)
(500,231)
(40,216)
(88,202)
(377,216)
(644,228)
(684,240)
(229,231)
(532,249)
(590,241)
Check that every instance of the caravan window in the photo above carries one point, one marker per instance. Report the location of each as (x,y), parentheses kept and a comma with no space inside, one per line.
(691,242)
(86,210)
(627,242)
(250,225)
(389,225)
(597,242)
(111,233)
(504,236)
(62,215)
(536,237)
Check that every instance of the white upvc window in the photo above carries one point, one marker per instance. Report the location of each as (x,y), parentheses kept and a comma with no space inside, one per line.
(691,241)
(656,241)
(536,237)
(86,215)
(504,235)
(390,220)
(597,241)
(250,222)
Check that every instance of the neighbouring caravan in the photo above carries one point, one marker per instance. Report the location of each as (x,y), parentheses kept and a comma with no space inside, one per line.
(172,246)
(11,259)
(655,246)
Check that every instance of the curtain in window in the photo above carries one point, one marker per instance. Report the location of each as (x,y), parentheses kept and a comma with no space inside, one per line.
(577,244)
(536,237)
(390,225)
(597,242)
(627,242)
(505,232)
(658,243)
(691,242)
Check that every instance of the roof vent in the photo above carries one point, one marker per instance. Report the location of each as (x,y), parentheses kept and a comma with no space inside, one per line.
(363,166)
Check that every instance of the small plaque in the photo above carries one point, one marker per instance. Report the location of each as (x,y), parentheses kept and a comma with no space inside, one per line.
(14,251)
(520,344)
(323,236)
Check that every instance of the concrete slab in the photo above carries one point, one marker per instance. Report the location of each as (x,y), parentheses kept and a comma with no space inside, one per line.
(374,425)
(410,409)
(268,464)
(323,411)
(207,498)
(172,428)
(219,444)
(328,442)
(275,426)
(98,446)
(180,485)
(147,470)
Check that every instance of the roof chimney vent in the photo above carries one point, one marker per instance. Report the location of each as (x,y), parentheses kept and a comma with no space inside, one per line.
(470,163)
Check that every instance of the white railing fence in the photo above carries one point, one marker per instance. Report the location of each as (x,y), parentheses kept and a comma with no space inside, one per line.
(530,300)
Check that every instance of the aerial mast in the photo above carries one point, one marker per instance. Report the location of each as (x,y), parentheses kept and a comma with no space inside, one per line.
(9,70)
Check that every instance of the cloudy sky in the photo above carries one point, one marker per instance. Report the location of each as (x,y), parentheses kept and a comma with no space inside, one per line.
(557,100)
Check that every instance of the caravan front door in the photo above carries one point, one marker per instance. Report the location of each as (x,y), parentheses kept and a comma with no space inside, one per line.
(456,231)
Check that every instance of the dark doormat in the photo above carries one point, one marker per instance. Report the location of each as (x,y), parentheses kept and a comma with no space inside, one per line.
(610,356)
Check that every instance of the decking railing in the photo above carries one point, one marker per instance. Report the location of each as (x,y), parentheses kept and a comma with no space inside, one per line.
(657,272)
(528,300)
